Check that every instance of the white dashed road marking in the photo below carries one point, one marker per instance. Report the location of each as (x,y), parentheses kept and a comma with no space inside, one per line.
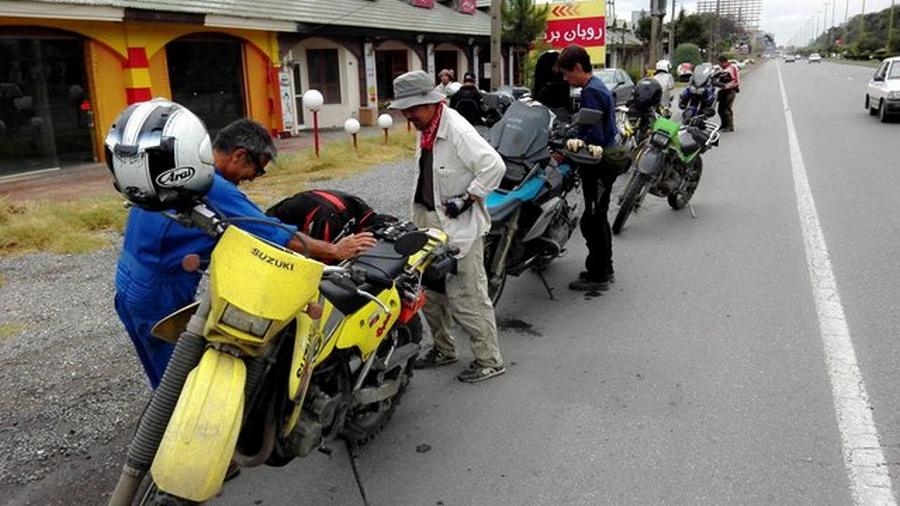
(870,482)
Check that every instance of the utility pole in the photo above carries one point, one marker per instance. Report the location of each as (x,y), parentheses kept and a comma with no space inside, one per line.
(496,32)
(862,20)
(890,37)
(654,32)
(672,31)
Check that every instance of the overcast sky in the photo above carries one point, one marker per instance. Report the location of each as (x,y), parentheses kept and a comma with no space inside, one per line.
(781,17)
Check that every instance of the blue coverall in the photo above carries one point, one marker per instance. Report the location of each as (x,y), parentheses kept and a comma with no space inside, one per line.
(150,282)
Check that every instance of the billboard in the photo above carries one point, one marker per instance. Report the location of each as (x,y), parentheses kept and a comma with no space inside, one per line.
(582,23)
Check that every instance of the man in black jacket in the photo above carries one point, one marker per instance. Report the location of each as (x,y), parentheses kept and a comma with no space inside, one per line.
(468,101)
(328,214)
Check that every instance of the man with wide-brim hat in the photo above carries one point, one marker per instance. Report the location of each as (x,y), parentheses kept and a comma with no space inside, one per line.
(456,170)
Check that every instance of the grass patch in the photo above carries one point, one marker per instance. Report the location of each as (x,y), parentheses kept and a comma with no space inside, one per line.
(872,64)
(78,226)
(59,227)
(10,329)
(292,172)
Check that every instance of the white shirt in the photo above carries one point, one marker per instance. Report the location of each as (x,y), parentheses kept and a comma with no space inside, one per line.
(668,85)
(463,162)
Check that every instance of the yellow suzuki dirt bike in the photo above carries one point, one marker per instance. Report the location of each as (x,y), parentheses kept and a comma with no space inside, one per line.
(279,355)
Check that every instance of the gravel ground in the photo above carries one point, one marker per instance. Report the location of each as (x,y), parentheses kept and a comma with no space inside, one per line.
(73,388)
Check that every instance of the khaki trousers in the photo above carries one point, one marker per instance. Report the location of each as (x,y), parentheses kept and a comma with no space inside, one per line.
(466,302)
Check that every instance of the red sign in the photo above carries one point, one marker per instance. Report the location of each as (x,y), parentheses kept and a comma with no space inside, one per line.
(586,32)
(425,4)
(468,6)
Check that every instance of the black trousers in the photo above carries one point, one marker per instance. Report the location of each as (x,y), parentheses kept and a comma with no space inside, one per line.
(726,102)
(595,224)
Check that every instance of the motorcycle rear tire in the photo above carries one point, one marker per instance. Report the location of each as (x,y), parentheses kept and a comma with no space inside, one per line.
(495,289)
(635,187)
(362,427)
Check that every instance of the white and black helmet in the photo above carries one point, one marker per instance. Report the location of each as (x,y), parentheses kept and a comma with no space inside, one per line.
(160,155)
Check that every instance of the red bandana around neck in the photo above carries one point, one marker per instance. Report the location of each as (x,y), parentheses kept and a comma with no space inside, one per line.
(429,134)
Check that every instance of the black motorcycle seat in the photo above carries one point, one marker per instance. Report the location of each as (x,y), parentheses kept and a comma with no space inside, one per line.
(381,263)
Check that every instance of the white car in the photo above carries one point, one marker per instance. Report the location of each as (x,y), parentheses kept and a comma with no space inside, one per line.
(883,93)
(790,58)
(815,58)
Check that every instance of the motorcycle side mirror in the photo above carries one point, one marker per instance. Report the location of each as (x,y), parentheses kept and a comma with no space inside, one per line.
(588,117)
(410,243)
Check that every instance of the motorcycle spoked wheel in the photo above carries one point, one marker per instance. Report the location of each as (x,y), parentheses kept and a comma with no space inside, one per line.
(364,422)
(680,199)
(629,201)
(498,283)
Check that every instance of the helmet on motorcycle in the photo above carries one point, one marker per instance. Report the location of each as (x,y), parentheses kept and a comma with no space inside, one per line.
(160,155)
(647,94)
(663,66)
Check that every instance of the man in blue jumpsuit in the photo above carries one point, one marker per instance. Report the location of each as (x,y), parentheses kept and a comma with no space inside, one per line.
(575,64)
(150,282)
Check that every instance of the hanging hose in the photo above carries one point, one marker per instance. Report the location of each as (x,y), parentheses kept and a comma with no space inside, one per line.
(152,426)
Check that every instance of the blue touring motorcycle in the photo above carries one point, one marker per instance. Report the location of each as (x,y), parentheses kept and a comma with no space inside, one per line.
(532,212)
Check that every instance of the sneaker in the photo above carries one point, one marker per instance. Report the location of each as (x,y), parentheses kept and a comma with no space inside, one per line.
(476,373)
(434,358)
(586,285)
(584,276)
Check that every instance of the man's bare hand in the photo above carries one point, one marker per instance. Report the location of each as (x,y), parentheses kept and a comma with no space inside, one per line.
(353,245)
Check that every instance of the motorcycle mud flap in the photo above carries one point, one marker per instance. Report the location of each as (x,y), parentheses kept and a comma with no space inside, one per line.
(200,439)
(651,161)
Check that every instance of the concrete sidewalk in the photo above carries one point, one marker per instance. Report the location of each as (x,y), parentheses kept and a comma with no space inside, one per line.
(94,178)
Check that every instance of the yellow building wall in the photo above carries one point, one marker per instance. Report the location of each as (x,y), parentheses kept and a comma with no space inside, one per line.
(106,53)
(159,76)
(106,80)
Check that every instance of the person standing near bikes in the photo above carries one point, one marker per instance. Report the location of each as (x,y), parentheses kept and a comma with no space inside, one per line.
(575,64)
(730,88)
(457,169)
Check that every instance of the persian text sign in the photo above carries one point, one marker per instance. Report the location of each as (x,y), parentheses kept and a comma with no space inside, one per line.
(582,23)
(586,32)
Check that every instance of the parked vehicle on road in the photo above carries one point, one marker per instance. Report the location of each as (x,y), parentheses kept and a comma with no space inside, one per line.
(815,58)
(279,355)
(883,92)
(699,98)
(668,166)
(532,216)
(617,80)
(790,58)
(635,120)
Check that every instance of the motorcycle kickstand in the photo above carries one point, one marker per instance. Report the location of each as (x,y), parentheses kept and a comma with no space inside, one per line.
(691,209)
(353,452)
(547,286)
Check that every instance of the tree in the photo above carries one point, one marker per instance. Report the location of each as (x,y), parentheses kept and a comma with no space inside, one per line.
(643,29)
(523,23)
(686,52)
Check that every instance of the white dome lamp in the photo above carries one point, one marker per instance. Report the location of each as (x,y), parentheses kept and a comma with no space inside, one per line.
(385,122)
(351,126)
(313,100)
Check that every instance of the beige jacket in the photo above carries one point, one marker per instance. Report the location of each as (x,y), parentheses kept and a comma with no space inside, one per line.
(464,162)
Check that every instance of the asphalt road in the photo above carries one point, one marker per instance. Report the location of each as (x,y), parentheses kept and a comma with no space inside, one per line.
(701,378)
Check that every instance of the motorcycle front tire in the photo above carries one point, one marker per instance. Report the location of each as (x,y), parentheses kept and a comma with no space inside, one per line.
(149,495)
(629,201)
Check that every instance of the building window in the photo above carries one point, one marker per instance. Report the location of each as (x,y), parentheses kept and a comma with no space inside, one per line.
(206,75)
(325,73)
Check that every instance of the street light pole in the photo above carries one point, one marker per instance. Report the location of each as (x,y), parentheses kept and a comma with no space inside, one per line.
(672,31)
(890,37)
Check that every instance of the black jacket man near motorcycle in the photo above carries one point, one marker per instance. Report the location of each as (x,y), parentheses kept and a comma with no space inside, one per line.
(575,64)
(328,215)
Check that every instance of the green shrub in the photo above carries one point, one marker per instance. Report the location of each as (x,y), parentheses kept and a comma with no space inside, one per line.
(686,53)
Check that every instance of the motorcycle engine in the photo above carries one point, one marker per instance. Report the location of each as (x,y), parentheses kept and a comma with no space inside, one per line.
(669,183)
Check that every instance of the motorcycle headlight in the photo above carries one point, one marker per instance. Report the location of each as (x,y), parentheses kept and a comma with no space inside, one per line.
(245,322)
(659,139)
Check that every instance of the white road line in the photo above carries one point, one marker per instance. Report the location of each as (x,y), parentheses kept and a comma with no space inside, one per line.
(869,479)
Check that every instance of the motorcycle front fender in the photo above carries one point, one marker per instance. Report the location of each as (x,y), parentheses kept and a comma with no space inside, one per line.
(199,441)
(651,161)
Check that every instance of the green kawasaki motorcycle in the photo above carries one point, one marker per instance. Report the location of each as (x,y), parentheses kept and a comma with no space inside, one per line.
(667,165)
